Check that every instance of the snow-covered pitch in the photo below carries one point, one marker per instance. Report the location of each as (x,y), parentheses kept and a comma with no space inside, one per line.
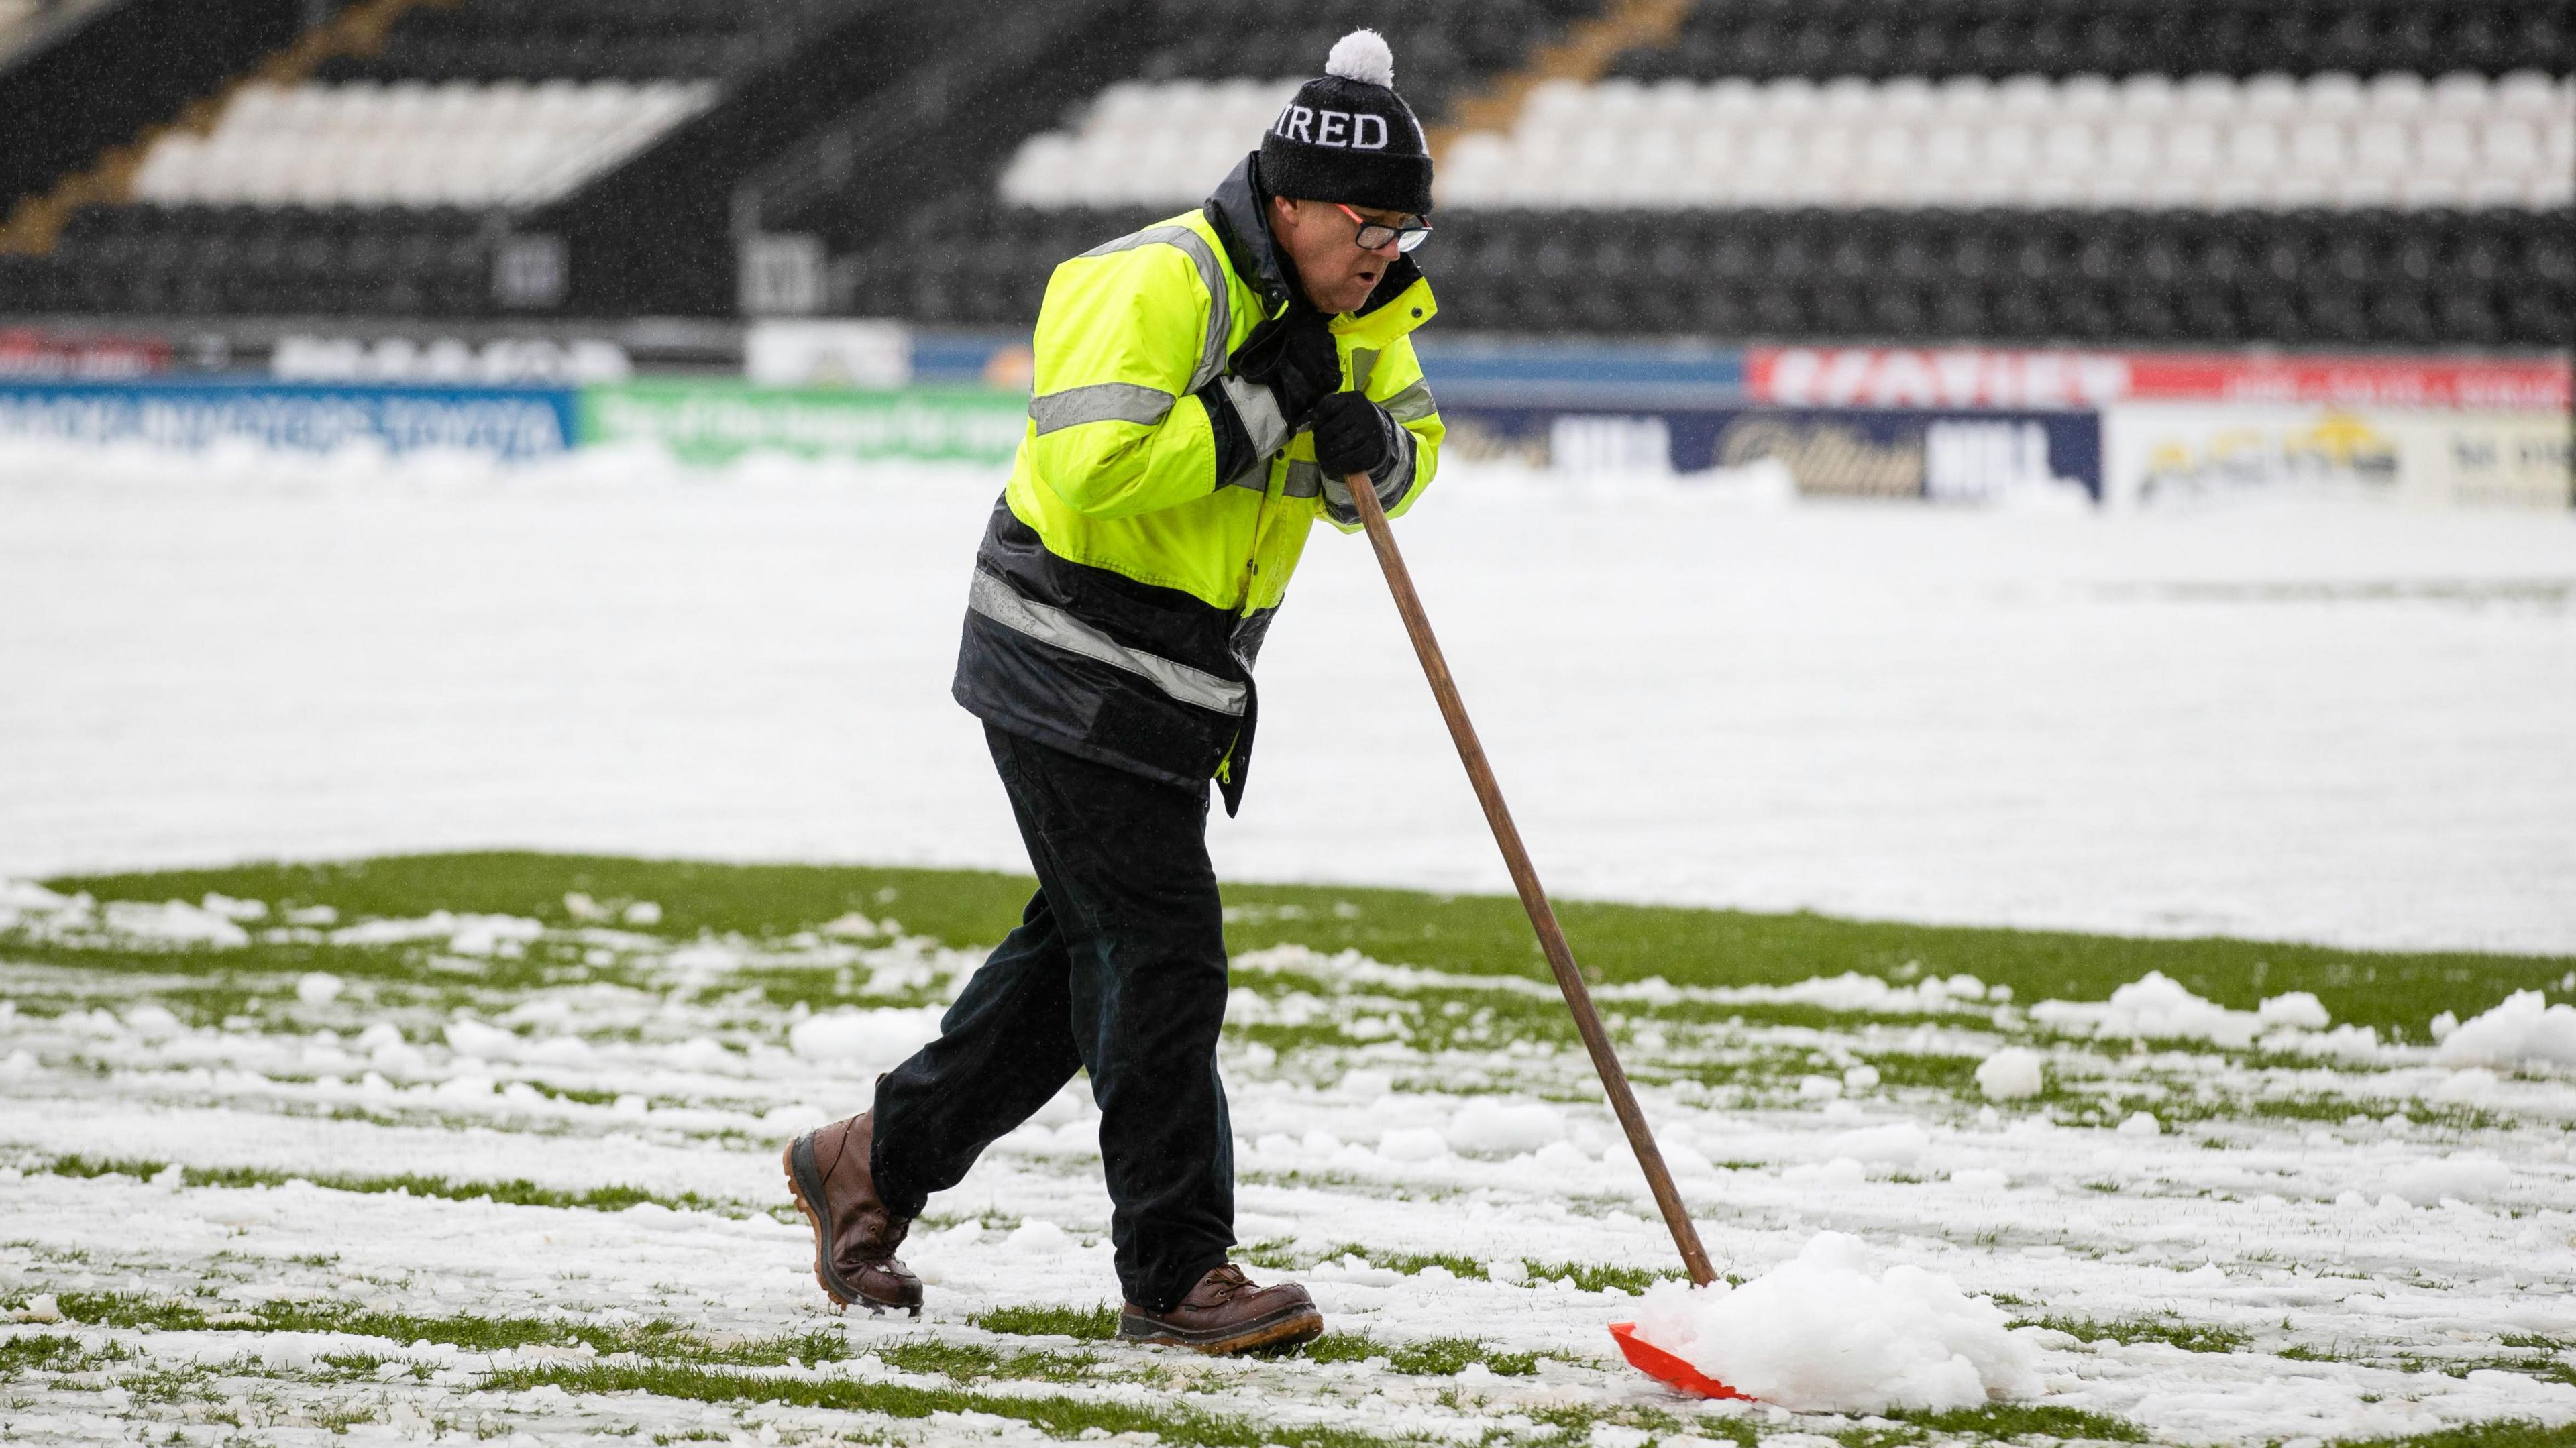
(499,1176)
(270,1172)
(2349,725)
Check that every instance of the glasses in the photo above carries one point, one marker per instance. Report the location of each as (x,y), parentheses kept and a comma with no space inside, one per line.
(1376,234)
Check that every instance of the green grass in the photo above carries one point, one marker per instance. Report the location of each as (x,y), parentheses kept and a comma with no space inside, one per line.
(2511,1433)
(656,1339)
(2189,1336)
(517,1192)
(1467,933)
(1057,1417)
(2025,1420)
(1437,1357)
(41,1352)
(966,1361)
(1600,1277)
(1089,1324)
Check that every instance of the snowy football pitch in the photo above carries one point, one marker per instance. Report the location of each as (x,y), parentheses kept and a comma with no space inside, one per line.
(477,1146)
(487,1145)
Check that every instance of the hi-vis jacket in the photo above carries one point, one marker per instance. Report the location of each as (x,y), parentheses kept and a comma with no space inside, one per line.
(1124,585)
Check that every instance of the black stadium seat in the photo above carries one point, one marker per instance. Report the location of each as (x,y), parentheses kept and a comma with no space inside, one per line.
(1761,40)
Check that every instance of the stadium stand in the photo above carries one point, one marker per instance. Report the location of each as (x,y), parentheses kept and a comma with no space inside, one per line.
(497,143)
(2345,172)
(2006,170)
(2209,142)
(1937,39)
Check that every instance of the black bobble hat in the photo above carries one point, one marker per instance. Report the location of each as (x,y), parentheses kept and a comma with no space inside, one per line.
(1349,137)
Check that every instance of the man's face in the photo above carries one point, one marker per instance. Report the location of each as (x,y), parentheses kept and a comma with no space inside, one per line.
(1323,240)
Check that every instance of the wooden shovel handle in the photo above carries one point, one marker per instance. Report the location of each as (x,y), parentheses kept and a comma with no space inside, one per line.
(1551,937)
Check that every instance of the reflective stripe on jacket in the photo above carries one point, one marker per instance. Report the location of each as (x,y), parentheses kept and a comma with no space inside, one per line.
(1123,588)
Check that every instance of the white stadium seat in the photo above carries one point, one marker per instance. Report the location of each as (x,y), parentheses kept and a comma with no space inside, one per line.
(2271,141)
(408,144)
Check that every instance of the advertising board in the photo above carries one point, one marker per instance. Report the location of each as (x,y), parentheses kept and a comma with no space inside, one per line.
(1988,377)
(1947,455)
(2165,455)
(508,422)
(713,420)
(35,352)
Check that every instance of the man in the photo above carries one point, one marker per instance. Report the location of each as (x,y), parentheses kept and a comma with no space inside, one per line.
(1203,388)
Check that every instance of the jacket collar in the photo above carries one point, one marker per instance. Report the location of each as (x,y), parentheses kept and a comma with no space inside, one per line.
(1240,213)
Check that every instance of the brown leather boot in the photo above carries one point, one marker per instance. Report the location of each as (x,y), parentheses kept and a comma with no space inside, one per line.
(1226,1313)
(854,1235)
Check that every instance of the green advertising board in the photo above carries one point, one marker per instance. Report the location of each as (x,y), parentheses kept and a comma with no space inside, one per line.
(712,420)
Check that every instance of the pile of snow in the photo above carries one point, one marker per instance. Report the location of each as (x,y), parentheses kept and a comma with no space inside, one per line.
(464,934)
(2467,1177)
(2156,1007)
(2011,1074)
(1487,1126)
(878,1038)
(2523,1030)
(1824,1333)
(174,922)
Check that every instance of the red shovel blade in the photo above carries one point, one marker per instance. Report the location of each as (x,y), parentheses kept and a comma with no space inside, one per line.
(1663,1367)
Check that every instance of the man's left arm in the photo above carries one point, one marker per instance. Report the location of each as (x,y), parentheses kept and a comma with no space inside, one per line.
(1392,431)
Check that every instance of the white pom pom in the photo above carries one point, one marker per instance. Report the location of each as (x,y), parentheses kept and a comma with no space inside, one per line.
(1362,55)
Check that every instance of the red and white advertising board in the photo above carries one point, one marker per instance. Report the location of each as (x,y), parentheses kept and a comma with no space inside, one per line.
(2058,378)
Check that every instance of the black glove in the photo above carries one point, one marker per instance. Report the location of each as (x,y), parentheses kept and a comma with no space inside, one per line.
(1293,355)
(1352,435)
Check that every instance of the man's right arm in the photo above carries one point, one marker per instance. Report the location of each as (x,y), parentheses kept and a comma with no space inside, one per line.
(1120,339)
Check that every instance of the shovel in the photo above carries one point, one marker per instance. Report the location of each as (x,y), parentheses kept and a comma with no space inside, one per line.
(1651,1360)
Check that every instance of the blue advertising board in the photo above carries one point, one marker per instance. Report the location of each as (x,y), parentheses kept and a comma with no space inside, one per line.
(508,422)
(1959,455)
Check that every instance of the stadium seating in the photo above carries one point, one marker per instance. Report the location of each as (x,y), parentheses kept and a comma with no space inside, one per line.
(2400,278)
(2208,142)
(582,40)
(2004,193)
(388,181)
(1935,39)
(275,260)
(1441,46)
(409,144)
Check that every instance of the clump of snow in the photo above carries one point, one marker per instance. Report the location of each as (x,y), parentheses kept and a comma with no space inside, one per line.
(1824,1332)
(174,922)
(1898,1144)
(232,909)
(642,912)
(2011,1074)
(2298,1009)
(2156,1007)
(1487,1125)
(1842,1173)
(2141,1123)
(2525,1029)
(881,1037)
(1413,1143)
(318,988)
(2469,1083)
(1367,1084)
(481,1042)
(2467,1177)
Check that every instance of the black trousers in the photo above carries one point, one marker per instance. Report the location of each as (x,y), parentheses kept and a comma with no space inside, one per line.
(1118,968)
